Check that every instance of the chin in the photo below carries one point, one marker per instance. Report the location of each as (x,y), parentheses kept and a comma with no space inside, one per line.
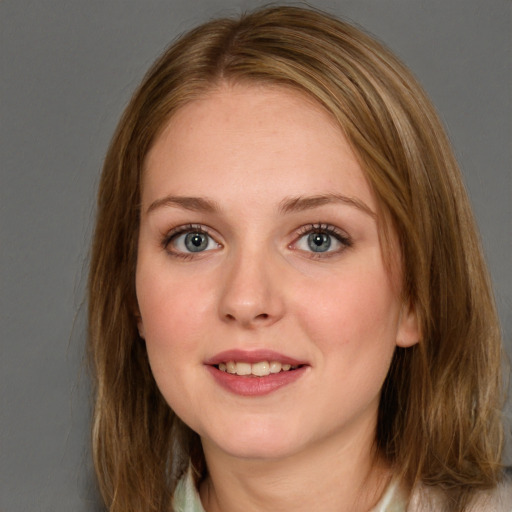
(270,451)
(261,443)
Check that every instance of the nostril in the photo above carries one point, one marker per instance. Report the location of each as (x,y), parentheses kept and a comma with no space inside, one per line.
(257,318)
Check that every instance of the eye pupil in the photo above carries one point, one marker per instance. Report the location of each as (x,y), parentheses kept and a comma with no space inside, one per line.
(196,242)
(319,242)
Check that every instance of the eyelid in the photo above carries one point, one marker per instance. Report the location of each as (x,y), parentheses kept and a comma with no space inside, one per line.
(322,227)
(340,235)
(183,229)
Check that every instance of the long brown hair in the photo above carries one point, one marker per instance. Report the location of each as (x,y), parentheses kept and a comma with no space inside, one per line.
(439,419)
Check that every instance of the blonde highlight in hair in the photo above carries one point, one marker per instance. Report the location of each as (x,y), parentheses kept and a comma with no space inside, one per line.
(439,418)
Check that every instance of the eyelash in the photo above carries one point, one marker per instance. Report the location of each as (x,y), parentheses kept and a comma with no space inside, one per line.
(326,229)
(321,228)
(182,230)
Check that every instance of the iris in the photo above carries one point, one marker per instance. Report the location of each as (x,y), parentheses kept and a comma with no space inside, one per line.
(319,242)
(196,242)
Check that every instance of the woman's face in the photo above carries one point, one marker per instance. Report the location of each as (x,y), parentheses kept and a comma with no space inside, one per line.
(259,250)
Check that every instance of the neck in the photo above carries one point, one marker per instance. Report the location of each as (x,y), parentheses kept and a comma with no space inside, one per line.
(328,476)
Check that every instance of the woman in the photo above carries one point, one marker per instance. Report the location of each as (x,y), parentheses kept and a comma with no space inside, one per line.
(289,307)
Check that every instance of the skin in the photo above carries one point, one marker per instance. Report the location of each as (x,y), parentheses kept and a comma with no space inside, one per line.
(250,150)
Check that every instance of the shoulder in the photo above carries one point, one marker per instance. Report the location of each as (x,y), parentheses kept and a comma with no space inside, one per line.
(499,499)
(186,498)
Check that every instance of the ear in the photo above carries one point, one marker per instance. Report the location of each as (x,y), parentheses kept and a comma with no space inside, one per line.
(140,325)
(408,332)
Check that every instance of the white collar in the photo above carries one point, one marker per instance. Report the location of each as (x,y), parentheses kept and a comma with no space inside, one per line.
(187,499)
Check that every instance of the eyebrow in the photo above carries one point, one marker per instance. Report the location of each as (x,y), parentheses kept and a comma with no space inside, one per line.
(298,204)
(288,205)
(195,204)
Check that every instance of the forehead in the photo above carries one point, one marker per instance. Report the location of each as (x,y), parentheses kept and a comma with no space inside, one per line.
(251,137)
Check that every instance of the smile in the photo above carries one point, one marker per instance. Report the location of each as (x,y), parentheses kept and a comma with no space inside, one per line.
(255,372)
(259,369)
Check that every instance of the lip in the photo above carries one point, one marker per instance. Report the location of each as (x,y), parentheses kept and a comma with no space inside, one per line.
(245,385)
(252,356)
(255,386)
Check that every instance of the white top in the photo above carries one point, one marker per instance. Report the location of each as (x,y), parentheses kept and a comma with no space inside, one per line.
(186,499)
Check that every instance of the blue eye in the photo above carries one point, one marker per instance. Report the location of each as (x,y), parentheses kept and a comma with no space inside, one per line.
(322,238)
(196,242)
(319,242)
(189,240)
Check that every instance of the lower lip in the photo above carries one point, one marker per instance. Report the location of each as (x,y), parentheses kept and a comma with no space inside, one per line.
(255,386)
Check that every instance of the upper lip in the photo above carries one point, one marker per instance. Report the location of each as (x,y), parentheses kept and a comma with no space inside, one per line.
(252,356)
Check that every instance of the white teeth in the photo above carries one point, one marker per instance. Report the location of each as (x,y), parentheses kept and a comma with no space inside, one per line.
(260,369)
(243,368)
(275,367)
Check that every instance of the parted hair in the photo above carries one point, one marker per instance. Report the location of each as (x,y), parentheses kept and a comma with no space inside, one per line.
(439,418)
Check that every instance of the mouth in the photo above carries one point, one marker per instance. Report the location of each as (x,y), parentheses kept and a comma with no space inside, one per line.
(258,363)
(257,369)
(255,372)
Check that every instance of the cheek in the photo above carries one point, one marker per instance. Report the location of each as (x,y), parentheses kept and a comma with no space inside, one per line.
(356,309)
(353,324)
(172,307)
(172,328)
(173,323)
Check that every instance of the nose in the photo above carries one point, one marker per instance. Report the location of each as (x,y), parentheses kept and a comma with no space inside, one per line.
(252,292)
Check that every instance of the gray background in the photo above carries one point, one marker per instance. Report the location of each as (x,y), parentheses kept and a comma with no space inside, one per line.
(68,68)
